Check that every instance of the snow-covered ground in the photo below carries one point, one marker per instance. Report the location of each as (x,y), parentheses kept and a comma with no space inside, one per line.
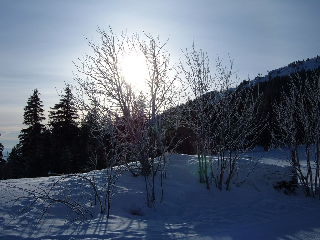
(254,210)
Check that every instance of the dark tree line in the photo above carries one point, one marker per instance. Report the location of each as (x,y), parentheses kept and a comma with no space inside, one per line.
(2,161)
(60,147)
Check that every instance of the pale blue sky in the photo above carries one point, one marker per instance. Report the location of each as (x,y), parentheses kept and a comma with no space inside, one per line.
(40,39)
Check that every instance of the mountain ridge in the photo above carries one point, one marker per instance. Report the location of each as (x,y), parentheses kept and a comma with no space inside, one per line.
(296,66)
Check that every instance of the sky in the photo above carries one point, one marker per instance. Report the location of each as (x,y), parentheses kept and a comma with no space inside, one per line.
(40,40)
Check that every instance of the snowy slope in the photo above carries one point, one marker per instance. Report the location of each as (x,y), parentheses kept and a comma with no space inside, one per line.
(309,64)
(254,210)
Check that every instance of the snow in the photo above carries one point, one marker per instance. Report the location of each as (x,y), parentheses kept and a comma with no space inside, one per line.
(309,64)
(253,210)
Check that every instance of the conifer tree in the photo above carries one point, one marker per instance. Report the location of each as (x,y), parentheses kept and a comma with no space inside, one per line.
(15,167)
(30,137)
(63,121)
(1,150)
(96,142)
(2,162)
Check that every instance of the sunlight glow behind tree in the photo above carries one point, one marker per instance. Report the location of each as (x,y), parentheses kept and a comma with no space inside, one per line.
(135,70)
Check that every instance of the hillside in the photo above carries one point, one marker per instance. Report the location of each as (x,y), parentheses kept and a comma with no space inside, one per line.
(254,210)
(297,66)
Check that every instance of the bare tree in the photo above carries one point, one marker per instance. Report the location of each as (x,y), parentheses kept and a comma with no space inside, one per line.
(222,117)
(160,97)
(106,134)
(235,127)
(137,117)
(200,84)
(298,117)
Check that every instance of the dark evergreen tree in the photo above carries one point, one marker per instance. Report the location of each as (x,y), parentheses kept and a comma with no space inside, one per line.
(65,135)
(48,154)
(2,162)
(15,167)
(96,141)
(1,150)
(31,137)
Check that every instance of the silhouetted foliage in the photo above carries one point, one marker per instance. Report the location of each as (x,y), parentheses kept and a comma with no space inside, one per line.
(2,162)
(31,137)
(65,133)
(15,166)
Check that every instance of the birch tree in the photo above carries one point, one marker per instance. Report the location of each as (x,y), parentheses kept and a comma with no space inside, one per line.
(223,118)
(160,97)
(198,81)
(235,127)
(137,116)
(298,118)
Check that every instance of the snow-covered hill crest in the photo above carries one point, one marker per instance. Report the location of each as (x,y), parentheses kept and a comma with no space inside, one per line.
(297,66)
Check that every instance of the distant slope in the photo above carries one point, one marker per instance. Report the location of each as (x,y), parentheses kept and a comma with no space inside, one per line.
(297,66)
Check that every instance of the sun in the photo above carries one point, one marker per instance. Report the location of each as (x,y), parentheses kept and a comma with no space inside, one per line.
(134,70)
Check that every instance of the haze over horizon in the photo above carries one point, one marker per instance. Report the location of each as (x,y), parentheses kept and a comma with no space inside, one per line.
(39,40)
